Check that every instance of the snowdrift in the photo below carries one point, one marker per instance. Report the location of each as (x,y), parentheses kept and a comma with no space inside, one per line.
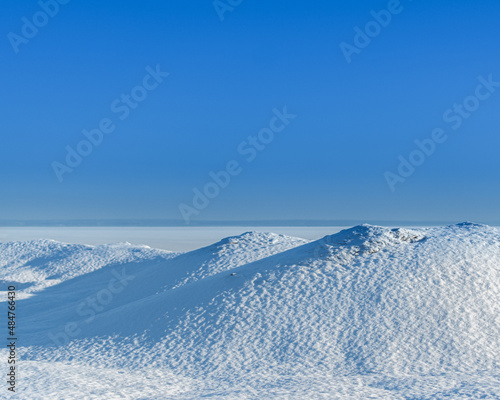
(370,312)
(37,264)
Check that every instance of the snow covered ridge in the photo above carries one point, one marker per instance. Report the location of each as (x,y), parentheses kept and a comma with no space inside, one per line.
(368,313)
(37,264)
(229,253)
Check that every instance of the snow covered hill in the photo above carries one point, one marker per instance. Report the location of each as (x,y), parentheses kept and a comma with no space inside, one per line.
(37,264)
(368,313)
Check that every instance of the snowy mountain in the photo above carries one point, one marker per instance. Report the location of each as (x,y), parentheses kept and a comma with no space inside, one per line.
(368,313)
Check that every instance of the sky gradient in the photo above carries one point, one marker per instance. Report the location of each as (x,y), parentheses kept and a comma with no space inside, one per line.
(355,118)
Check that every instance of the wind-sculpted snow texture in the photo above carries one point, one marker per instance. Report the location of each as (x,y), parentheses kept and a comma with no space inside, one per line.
(368,313)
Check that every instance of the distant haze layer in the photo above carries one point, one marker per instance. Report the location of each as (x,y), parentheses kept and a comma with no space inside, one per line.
(165,238)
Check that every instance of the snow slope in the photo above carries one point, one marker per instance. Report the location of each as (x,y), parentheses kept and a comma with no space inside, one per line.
(35,265)
(368,313)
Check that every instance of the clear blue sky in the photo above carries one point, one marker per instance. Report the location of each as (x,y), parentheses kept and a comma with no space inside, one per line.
(353,120)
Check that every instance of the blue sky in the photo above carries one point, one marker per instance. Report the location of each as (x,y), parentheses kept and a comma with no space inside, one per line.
(354,120)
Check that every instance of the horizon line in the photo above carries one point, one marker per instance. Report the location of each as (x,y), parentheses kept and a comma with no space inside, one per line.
(228,223)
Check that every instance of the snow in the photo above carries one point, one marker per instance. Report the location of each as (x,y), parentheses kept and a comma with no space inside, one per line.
(367,313)
(37,264)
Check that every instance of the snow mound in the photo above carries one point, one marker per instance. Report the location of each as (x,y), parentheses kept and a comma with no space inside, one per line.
(116,286)
(364,239)
(227,254)
(37,264)
(370,312)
